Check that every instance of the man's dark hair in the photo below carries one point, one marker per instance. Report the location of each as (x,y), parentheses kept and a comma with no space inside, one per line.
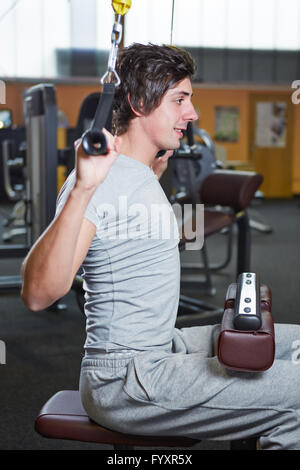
(146,73)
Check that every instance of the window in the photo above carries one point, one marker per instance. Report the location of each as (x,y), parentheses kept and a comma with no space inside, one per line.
(235,24)
(148,21)
(33,32)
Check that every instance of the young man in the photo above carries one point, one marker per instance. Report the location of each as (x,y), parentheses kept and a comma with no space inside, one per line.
(140,374)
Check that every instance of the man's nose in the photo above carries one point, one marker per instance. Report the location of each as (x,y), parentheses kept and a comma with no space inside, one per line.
(190,114)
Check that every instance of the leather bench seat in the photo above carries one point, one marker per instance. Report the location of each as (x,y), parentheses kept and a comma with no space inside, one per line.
(63,417)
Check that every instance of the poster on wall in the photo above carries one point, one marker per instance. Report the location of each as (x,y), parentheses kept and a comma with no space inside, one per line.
(270,124)
(227,119)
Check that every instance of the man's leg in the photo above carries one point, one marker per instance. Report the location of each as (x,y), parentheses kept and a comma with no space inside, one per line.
(192,395)
(265,404)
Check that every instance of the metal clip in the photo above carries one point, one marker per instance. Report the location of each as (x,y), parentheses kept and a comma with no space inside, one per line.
(111,75)
(116,34)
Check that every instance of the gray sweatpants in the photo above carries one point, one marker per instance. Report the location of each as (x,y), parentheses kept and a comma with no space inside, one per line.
(188,393)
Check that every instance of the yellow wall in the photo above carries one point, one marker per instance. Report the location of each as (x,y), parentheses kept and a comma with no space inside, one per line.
(69,98)
(205,99)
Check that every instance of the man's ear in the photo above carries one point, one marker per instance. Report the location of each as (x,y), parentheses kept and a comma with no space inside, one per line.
(137,113)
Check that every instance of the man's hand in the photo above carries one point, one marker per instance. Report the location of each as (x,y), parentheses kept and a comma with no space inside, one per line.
(160,164)
(92,170)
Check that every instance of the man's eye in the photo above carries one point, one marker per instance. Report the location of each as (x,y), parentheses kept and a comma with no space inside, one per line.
(179,101)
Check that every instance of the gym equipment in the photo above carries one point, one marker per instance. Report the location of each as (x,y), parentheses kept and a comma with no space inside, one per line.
(247,339)
(230,190)
(93,140)
(13,189)
(15,135)
(11,161)
(247,315)
(121,7)
(40,114)
(191,164)
(235,190)
(15,221)
(63,417)
(86,114)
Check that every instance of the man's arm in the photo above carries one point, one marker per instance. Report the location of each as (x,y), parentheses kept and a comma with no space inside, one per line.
(49,268)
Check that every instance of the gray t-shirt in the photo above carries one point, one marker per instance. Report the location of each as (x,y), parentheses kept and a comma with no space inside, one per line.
(132,270)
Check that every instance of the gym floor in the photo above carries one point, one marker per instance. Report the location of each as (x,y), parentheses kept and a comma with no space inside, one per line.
(44,349)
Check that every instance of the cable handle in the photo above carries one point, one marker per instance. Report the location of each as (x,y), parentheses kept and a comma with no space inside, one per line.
(93,140)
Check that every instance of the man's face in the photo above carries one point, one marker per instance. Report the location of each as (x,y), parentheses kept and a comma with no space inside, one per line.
(164,126)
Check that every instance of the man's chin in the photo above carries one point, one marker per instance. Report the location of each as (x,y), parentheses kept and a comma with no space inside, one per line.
(174,146)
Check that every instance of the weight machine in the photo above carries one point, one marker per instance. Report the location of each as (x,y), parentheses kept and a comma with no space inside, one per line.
(40,171)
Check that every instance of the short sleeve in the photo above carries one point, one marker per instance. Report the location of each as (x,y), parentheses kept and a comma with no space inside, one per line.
(90,213)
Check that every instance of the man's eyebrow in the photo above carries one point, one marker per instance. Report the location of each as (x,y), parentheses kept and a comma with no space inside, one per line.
(178,92)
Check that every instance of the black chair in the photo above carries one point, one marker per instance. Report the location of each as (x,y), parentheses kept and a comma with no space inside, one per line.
(226,196)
